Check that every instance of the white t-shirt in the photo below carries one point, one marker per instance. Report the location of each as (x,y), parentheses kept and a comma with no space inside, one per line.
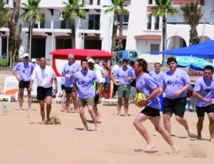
(44,77)
(99,75)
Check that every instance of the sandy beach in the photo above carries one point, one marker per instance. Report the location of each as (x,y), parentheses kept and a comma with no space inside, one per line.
(23,139)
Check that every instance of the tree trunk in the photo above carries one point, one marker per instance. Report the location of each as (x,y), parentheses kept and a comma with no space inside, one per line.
(120,39)
(14,40)
(163,36)
(193,36)
(73,34)
(114,34)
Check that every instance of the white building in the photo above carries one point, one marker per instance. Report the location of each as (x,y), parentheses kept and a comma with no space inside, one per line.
(142,31)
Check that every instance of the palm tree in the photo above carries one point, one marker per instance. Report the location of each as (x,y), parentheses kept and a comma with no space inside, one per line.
(72,10)
(32,13)
(14,36)
(162,8)
(5,14)
(192,14)
(118,7)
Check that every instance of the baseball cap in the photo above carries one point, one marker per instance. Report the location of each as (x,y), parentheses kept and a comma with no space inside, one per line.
(91,60)
(33,60)
(26,55)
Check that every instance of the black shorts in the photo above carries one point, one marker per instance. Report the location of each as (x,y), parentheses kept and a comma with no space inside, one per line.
(96,98)
(68,90)
(63,87)
(149,111)
(176,106)
(115,87)
(24,84)
(42,93)
(201,110)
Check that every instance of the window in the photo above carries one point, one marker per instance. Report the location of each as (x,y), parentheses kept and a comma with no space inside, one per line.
(91,2)
(150,2)
(149,20)
(157,23)
(94,22)
(98,2)
(154,47)
(125,19)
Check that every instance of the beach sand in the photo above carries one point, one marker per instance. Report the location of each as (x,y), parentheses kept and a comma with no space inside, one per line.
(23,139)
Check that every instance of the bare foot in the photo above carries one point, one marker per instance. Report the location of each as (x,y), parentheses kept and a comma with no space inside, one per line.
(176,150)
(192,135)
(212,140)
(97,130)
(199,137)
(149,147)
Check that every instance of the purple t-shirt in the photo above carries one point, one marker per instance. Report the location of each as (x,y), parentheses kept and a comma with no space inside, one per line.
(158,77)
(85,83)
(25,70)
(122,73)
(174,81)
(70,69)
(205,88)
(146,84)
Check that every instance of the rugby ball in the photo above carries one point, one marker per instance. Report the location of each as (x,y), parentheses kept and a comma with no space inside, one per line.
(139,97)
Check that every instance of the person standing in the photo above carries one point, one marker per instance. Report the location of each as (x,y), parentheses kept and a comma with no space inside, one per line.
(204,100)
(91,65)
(68,71)
(158,75)
(25,70)
(113,71)
(45,76)
(148,86)
(125,76)
(84,85)
(176,83)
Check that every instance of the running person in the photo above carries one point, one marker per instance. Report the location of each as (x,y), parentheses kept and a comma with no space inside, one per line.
(176,84)
(146,84)
(204,100)
(84,85)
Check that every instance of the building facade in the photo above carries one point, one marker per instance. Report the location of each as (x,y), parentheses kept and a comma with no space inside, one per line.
(141,31)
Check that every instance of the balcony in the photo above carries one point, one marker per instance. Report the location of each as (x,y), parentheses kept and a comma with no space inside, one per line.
(63,26)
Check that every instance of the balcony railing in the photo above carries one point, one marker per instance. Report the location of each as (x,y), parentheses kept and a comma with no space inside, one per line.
(63,25)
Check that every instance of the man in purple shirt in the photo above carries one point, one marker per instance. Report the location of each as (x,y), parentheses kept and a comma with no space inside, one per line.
(25,70)
(84,85)
(204,100)
(125,76)
(147,85)
(68,72)
(176,84)
(158,75)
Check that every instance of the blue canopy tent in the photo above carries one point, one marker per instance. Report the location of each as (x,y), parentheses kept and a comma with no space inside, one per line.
(203,50)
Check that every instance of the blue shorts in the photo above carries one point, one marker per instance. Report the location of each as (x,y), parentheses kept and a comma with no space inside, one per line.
(42,93)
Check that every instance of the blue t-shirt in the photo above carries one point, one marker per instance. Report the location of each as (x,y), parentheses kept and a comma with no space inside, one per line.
(70,69)
(85,83)
(205,88)
(175,81)
(146,84)
(158,77)
(122,73)
(25,70)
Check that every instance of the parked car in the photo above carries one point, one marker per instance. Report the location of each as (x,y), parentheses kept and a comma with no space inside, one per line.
(127,54)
